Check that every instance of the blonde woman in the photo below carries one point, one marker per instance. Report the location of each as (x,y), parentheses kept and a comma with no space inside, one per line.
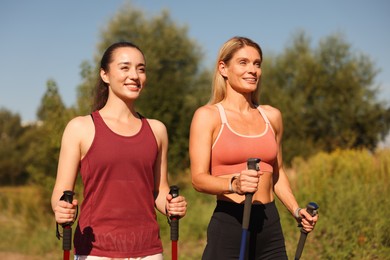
(227,131)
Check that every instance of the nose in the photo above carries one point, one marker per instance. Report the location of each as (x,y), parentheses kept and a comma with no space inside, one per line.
(133,74)
(253,69)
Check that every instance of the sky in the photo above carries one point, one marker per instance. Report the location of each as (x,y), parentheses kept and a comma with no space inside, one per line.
(47,39)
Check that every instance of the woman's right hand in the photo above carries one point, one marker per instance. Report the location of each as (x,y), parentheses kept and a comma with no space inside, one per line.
(247,182)
(65,212)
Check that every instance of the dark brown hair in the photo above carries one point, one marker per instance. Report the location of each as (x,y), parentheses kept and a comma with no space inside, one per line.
(101,90)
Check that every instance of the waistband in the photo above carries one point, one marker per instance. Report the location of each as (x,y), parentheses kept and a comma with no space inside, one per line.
(266,214)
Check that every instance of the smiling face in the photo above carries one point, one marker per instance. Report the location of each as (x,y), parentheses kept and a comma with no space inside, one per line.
(126,74)
(242,72)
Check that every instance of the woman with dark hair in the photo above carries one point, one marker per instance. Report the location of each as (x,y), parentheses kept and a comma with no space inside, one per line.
(224,134)
(122,159)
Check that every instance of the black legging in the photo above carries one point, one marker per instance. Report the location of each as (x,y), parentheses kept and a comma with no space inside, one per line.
(225,228)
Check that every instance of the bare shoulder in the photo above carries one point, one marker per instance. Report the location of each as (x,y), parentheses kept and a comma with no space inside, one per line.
(158,128)
(272,112)
(207,110)
(156,124)
(80,123)
(207,114)
(80,127)
(275,117)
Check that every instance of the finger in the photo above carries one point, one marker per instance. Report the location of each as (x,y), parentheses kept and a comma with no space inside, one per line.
(64,204)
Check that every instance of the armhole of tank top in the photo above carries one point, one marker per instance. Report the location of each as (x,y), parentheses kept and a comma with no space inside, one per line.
(266,119)
(140,116)
(93,120)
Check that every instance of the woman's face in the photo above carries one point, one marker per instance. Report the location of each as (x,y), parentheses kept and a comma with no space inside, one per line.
(243,71)
(126,75)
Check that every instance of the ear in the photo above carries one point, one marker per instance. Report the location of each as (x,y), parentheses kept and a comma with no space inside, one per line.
(104,76)
(222,69)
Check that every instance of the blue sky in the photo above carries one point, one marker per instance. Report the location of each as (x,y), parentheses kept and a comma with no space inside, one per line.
(48,39)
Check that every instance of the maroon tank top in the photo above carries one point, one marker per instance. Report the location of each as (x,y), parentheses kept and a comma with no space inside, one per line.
(117,215)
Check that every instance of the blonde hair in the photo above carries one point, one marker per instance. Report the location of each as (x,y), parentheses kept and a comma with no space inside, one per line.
(226,53)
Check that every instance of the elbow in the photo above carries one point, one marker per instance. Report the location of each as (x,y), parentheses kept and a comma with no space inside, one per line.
(196,185)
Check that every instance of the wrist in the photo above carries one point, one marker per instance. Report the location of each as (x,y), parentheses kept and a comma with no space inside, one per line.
(296,213)
(231,189)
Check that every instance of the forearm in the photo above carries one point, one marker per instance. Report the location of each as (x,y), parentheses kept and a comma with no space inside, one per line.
(285,194)
(160,201)
(206,183)
(56,195)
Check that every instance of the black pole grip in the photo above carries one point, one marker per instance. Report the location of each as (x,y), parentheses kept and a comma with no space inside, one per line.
(67,227)
(67,238)
(312,209)
(252,164)
(174,191)
(68,197)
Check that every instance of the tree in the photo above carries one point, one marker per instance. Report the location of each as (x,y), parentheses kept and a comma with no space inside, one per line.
(327,97)
(12,170)
(45,139)
(172,69)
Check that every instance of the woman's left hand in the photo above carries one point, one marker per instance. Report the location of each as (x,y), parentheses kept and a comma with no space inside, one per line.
(176,206)
(307,221)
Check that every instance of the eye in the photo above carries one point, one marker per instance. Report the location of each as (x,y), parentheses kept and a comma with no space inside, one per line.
(142,69)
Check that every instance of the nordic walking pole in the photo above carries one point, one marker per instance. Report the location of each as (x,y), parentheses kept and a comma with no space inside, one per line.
(67,227)
(312,209)
(252,164)
(174,191)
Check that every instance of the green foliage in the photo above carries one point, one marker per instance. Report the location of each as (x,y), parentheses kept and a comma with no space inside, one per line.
(45,140)
(85,90)
(26,226)
(192,227)
(327,97)
(10,131)
(351,188)
(12,168)
(172,69)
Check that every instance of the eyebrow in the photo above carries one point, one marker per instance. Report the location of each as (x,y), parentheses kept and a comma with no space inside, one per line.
(244,58)
(128,63)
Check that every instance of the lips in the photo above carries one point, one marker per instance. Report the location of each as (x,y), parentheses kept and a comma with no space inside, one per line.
(133,86)
(251,80)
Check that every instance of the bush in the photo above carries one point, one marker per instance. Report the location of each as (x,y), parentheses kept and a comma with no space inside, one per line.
(351,188)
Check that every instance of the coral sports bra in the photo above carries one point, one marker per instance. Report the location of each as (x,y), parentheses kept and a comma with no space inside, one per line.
(231,150)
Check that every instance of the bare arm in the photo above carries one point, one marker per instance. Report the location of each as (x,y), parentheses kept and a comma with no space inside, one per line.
(203,130)
(282,186)
(68,165)
(163,200)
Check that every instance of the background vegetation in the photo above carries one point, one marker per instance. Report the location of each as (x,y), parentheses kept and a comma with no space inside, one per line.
(351,187)
(333,124)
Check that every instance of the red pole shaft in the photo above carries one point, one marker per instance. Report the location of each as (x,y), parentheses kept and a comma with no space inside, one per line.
(66,254)
(174,250)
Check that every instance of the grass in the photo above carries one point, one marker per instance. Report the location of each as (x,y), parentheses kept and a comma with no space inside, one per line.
(351,188)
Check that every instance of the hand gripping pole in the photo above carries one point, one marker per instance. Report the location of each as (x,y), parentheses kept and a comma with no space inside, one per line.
(174,191)
(312,209)
(252,164)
